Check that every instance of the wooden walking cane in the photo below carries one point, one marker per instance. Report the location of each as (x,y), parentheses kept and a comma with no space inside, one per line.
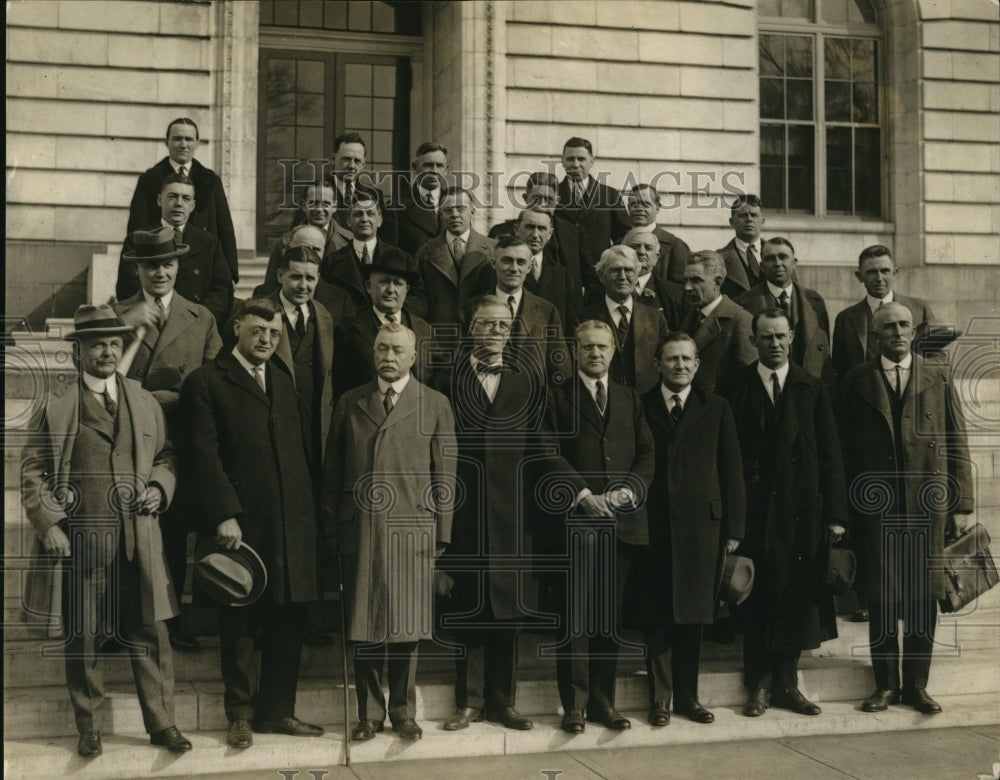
(343,642)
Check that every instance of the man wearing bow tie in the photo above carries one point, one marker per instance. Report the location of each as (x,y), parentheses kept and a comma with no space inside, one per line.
(211,212)
(202,273)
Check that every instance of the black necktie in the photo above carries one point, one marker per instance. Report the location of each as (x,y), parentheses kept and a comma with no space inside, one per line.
(675,410)
(388,402)
(510,304)
(696,318)
(366,259)
(178,237)
(622,324)
(161,312)
(752,263)
(775,388)
(600,396)
(300,323)
(348,193)
(783,301)
(112,406)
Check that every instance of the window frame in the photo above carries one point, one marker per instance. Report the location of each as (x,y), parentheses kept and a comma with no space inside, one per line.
(818,31)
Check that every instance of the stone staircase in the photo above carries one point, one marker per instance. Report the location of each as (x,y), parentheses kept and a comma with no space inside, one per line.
(39,739)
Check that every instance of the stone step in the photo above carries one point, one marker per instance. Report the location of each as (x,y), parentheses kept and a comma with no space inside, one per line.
(130,755)
(45,711)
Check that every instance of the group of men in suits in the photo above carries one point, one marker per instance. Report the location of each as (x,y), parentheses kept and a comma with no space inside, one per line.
(394,350)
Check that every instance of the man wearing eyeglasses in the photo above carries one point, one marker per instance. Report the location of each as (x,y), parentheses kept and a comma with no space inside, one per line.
(637,329)
(244,440)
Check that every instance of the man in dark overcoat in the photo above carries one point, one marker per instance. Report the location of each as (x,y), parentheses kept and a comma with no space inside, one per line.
(794,478)
(244,440)
(211,207)
(499,407)
(92,485)
(696,510)
(178,336)
(904,438)
(391,436)
(604,437)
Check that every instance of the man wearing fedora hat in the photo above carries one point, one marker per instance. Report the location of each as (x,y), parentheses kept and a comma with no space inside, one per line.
(211,211)
(178,335)
(387,281)
(796,502)
(202,273)
(344,267)
(243,438)
(93,483)
(696,509)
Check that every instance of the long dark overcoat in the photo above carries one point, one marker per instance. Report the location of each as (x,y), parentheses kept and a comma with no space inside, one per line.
(934,467)
(794,477)
(246,448)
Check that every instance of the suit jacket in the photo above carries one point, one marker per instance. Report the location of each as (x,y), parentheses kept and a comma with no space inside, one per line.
(246,446)
(409,224)
(446,283)
(602,217)
(811,344)
(613,450)
(354,344)
(665,296)
(211,209)
(388,566)
(674,253)
(165,358)
(737,281)
(46,470)
(697,499)
(852,326)
(202,274)
(503,447)
(929,479)
(343,269)
(646,329)
(794,478)
(723,342)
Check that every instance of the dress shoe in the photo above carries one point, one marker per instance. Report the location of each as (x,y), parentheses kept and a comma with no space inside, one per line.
(462,717)
(239,734)
(366,729)
(89,744)
(408,729)
(182,640)
(573,722)
(757,702)
(510,718)
(920,701)
(860,615)
(659,714)
(171,739)
(694,711)
(880,700)
(610,718)
(792,699)
(292,726)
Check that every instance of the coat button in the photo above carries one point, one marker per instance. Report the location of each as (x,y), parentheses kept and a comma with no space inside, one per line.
(928,415)
(197,272)
(608,459)
(931,445)
(183,367)
(140,372)
(755,478)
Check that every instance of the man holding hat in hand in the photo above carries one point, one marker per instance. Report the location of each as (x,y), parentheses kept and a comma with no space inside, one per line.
(92,485)
(244,440)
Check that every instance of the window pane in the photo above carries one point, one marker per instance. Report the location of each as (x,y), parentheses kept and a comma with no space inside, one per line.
(335,15)
(310,13)
(281,142)
(867,172)
(835,10)
(383,18)
(357,112)
(381,148)
(772,164)
(769,7)
(357,79)
(310,76)
(865,104)
(838,170)
(281,109)
(771,99)
(772,62)
(861,11)
(359,15)
(801,173)
(800,99)
(837,58)
(797,9)
(309,143)
(267,12)
(798,55)
(382,111)
(385,81)
(838,101)
(310,110)
(863,60)
(286,14)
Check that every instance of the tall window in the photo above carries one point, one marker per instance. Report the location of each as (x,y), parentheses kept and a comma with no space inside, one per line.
(821,96)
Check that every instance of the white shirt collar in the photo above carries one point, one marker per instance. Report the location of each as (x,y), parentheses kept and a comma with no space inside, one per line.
(250,367)
(613,305)
(164,299)
(668,394)
(397,386)
(765,375)
(292,311)
(172,226)
(359,247)
(464,236)
(645,228)
(591,382)
(380,316)
(904,364)
(505,295)
(874,303)
(742,245)
(640,285)
(537,268)
(777,291)
(97,385)
(177,166)
(435,194)
(708,308)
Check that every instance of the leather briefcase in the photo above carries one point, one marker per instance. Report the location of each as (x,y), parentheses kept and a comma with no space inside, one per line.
(968,568)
